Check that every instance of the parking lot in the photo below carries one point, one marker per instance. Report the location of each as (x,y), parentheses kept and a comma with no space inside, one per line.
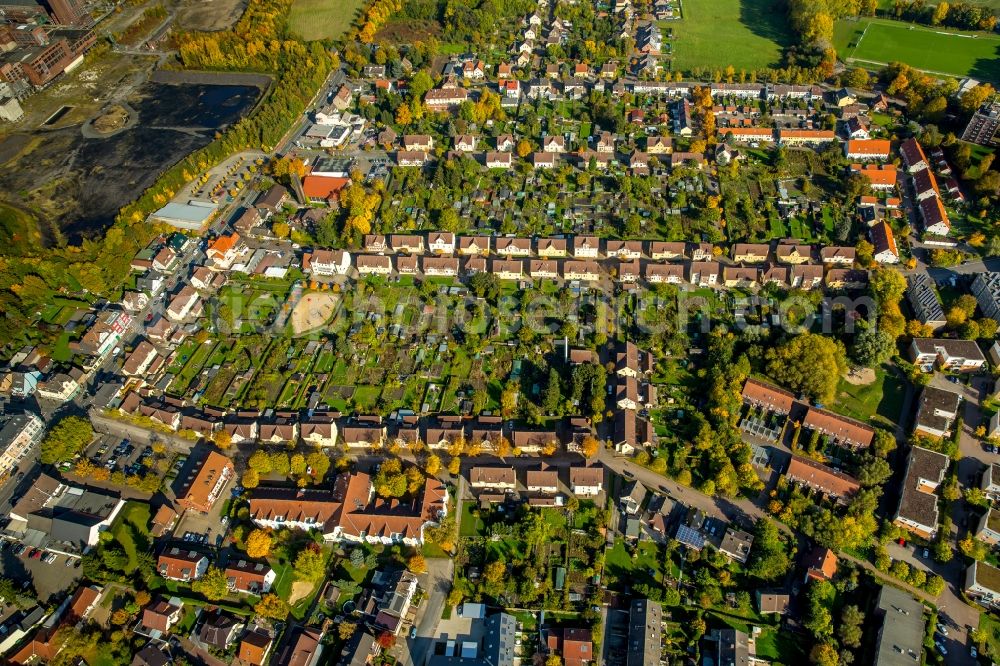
(117,454)
(49,573)
(209,528)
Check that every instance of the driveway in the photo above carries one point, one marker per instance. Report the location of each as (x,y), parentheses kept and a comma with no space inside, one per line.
(437,584)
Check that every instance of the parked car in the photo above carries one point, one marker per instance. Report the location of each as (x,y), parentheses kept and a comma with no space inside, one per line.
(927,553)
(943,630)
(413,632)
(941,648)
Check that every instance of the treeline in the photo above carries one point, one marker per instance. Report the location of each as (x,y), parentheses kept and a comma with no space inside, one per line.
(959,15)
(257,43)
(467,20)
(813,20)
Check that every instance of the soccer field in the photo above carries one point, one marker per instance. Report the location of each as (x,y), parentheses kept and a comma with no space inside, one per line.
(946,52)
(747,34)
(322,19)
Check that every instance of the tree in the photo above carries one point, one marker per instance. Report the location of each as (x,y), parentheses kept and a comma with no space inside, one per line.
(433,464)
(250,479)
(258,543)
(810,363)
(66,439)
(873,471)
(280,229)
(873,347)
(934,585)
(494,572)
(824,654)
(318,464)
(508,400)
(310,564)
(346,630)
(455,466)
(297,464)
(851,629)
(417,564)
(260,462)
(213,585)
(222,439)
(590,446)
(523,148)
(769,559)
(386,639)
(553,660)
(271,606)
(887,285)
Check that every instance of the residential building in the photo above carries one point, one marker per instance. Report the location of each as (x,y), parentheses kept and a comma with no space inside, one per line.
(936,411)
(586,481)
(767,396)
(19,434)
(386,600)
(837,255)
(983,126)
(924,301)
(773,602)
(329,262)
(249,577)
(304,648)
(982,583)
(900,637)
(645,633)
(819,477)
(350,511)
(867,149)
(987,528)
(543,480)
(844,431)
(65,518)
(160,616)
(104,334)
(884,242)
(573,645)
(736,545)
(986,289)
(820,564)
(181,564)
(990,484)
(918,503)
(913,156)
(946,354)
(204,483)
(254,646)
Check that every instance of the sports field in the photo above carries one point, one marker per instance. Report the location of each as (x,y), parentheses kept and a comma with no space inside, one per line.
(880,41)
(322,19)
(747,34)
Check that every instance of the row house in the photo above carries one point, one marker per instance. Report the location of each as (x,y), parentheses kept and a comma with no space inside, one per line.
(444,99)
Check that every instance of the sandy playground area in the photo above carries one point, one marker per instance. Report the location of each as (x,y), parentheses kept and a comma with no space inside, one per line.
(312,311)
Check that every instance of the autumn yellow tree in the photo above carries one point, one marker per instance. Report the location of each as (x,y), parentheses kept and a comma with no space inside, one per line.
(433,465)
(259,543)
(271,606)
(455,466)
(523,148)
(590,446)
(417,564)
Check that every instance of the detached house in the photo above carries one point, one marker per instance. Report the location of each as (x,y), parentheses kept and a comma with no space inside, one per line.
(181,564)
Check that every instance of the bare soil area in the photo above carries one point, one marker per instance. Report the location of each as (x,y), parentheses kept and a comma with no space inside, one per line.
(209,15)
(313,311)
(300,590)
(860,376)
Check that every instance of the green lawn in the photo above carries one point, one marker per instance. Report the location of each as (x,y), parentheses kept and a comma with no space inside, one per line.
(131,530)
(881,400)
(471,525)
(880,41)
(989,628)
(322,19)
(620,565)
(747,34)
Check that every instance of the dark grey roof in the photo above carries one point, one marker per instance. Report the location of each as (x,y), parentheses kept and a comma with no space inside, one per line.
(901,636)
(645,633)
(499,641)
